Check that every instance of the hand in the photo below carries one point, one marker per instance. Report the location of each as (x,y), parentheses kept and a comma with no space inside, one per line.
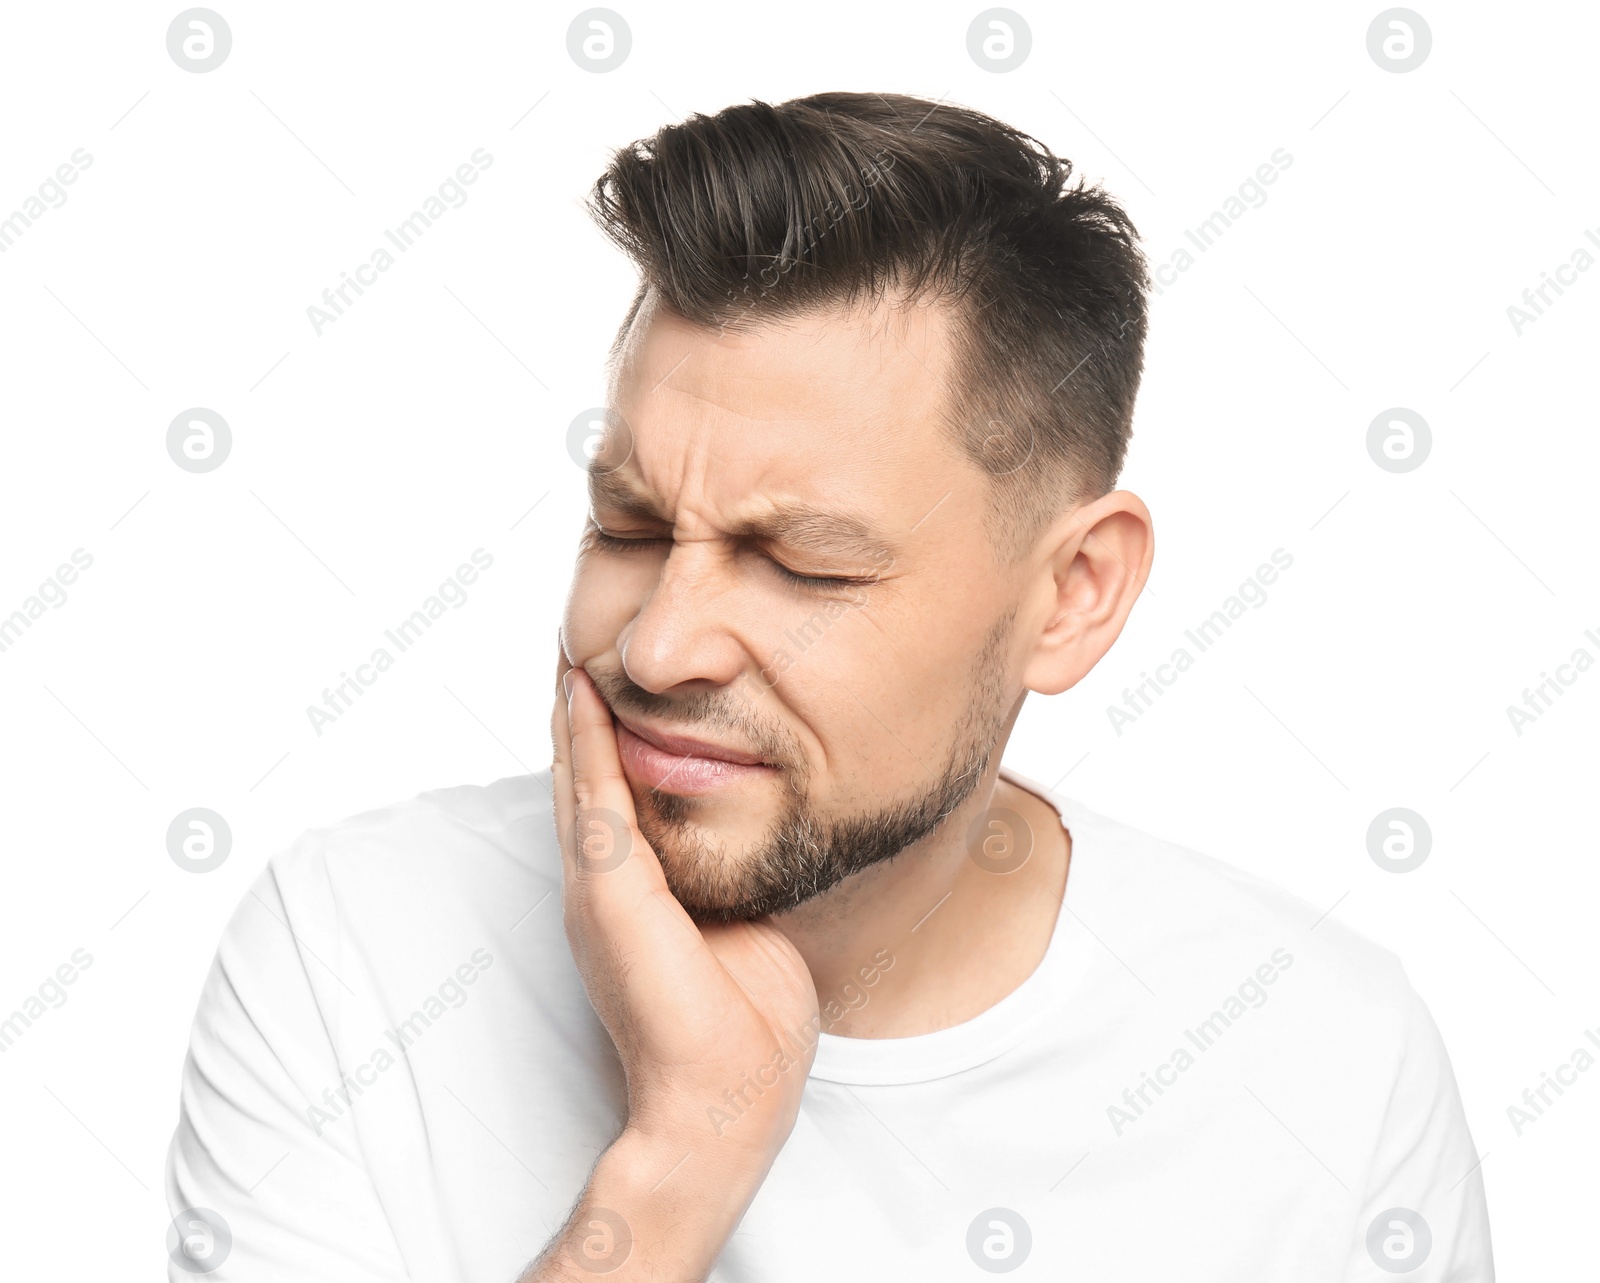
(715,1025)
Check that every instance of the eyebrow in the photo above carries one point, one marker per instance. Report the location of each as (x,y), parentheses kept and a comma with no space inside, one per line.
(796,524)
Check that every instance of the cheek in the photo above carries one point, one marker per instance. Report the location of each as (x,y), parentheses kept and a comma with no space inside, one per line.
(880,712)
(920,686)
(599,605)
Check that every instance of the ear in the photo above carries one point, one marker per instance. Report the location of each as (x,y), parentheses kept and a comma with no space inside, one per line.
(1097,560)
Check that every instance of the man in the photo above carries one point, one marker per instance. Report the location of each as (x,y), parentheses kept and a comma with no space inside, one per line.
(838,996)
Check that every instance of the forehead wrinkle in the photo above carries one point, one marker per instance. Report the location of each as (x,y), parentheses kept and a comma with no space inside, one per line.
(758,380)
(740,375)
(622,489)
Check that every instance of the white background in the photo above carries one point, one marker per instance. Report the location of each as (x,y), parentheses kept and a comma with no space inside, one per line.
(430,420)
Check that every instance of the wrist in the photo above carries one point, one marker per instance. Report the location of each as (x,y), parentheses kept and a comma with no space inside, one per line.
(739,1131)
(659,1204)
(675,1163)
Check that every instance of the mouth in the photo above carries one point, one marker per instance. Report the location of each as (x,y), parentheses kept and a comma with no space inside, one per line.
(685,746)
(680,764)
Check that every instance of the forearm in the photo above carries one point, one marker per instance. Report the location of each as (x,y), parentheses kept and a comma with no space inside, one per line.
(656,1209)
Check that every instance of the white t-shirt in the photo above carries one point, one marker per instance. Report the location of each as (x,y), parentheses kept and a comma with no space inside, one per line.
(395,1073)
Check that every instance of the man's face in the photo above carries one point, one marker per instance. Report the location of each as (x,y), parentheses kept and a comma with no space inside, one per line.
(870,708)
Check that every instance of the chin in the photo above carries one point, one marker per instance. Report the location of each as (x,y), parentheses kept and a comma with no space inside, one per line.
(702,878)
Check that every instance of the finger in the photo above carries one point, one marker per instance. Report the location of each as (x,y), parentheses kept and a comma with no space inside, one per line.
(561,765)
(616,904)
(607,827)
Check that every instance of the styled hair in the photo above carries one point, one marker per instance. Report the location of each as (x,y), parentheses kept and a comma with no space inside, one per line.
(761,212)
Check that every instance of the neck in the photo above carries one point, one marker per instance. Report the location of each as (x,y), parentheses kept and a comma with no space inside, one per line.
(930,938)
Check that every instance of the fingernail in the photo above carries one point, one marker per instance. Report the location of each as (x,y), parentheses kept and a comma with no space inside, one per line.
(566,681)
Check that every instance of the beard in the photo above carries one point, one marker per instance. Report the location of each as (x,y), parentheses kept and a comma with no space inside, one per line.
(805,852)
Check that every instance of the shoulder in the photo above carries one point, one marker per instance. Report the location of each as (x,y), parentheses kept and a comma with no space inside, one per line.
(382,900)
(1288,1027)
(1199,925)
(440,841)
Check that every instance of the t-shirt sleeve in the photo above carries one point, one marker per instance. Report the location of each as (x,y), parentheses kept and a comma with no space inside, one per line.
(1423,1212)
(255,1192)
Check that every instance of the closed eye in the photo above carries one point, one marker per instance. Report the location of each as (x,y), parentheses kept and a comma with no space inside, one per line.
(619,543)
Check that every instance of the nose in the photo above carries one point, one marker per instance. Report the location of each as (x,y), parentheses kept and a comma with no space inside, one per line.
(685,635)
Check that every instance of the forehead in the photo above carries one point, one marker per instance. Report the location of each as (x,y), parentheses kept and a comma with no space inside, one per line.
(818,405)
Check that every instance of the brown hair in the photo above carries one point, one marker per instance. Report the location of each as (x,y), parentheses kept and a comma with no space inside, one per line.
(761,212)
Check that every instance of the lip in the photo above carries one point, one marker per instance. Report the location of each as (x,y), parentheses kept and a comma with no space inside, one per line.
(684,746)
(663,770)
